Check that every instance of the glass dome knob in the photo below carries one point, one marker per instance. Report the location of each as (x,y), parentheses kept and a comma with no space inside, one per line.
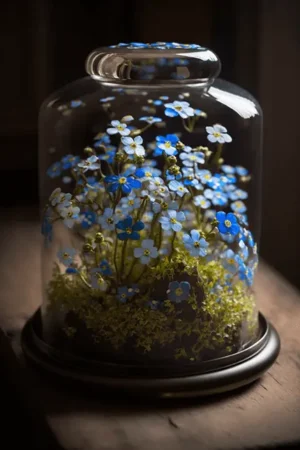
(153,63)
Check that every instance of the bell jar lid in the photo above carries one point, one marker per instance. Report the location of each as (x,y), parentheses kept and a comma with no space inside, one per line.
(155,63)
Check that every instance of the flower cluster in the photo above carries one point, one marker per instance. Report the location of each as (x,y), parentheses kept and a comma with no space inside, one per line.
(139,205)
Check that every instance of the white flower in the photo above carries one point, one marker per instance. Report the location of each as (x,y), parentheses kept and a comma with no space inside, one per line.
(118,127)
(133,146)
(218,133)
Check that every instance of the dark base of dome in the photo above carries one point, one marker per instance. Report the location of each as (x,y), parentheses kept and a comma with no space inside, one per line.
(205,378)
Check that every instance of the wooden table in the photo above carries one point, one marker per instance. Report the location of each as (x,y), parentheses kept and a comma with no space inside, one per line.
(264,414)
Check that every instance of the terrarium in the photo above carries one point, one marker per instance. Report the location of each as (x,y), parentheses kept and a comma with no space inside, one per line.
(150,178)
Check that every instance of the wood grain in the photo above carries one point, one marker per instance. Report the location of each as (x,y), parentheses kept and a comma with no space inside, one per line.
(266,413)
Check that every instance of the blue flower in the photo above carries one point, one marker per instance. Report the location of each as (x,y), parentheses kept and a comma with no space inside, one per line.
(164,206)
(106,99)
(105,267)
(178,188)
(126,184)
(250,238)
(172,220)
(108,156)
(118,127)
(75,103)
(104,139)
(178,292)
(88,218)
(66,256)
(238,207)
(123,294)
(227,223)
(54,170)
(71,270)
(195,244)
(177,108)
(219,199)
(69,161)
(246,274)
(204,175)
(218,133)
(244,252)
(90,163)
(146,173)
(129,230)
(228,169)
(70,215)
(167,143)
(201,201)
(97,282)
(133,146)
(130,203)
(241,171)
(216,182)
(230,261)
(108,219)
(146,251)
(60,198)
(238,194)
(190,159)
(150,119)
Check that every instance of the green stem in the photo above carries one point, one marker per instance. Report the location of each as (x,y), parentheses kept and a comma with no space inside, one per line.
(131,268)
(160,235)
(122,268)
(185,126)
(141,274)
(218,154)
(115,258)
(172,244)
(84,280)
(155,219)
(142,209)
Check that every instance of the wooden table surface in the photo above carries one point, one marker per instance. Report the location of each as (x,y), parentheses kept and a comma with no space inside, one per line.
(264,414)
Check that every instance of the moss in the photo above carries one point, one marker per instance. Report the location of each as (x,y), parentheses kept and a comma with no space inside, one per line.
(212,321)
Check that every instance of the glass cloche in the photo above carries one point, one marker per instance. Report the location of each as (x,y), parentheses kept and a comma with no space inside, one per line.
(150,176)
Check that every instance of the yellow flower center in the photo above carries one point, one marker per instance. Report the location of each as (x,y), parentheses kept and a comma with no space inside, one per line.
(207,177)
(168,144)
(181,188)
(120,127)
(157,183)
(230,260)
(164,205)
(148,174)
(193,157)
(146,252)
(162,189)
(203,202)
(109,220)
(66,255)
(216,134)
(178,108)
(227,223)
(173,220)
(133,145)
(128,230)
(130,202)
(122,180)
(123,295)
(178,292)
(196,244)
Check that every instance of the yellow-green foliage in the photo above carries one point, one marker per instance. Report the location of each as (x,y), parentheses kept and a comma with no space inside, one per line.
(212,320)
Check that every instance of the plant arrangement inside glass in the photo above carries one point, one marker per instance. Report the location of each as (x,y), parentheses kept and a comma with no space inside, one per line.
(147,167)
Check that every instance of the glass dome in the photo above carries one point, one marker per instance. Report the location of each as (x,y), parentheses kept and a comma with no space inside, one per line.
(150,172)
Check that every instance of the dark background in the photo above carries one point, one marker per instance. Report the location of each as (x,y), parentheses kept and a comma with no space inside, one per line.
(44,45)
